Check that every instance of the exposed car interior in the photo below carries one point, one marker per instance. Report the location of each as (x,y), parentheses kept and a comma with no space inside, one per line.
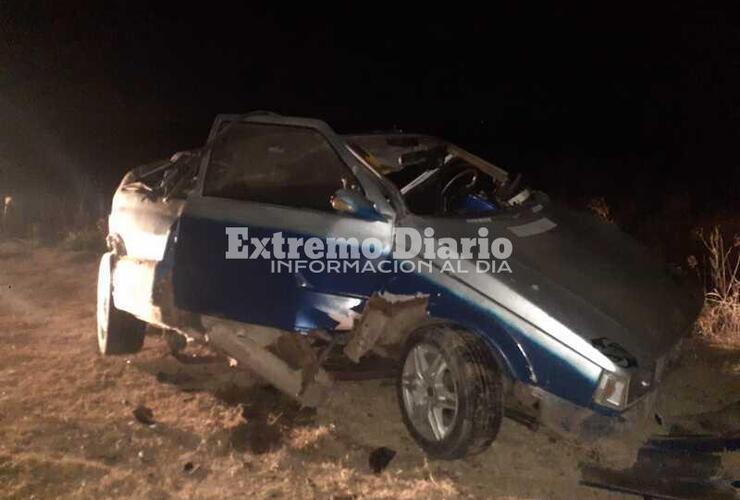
(171,178)
(438,178)
(434,178)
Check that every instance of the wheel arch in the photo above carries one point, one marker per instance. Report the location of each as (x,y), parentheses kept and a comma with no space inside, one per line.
(508,354)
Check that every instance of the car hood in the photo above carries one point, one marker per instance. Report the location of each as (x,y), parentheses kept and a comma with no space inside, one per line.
(587,276)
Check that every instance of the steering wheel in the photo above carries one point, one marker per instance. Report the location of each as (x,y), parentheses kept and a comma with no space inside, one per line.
(463,190)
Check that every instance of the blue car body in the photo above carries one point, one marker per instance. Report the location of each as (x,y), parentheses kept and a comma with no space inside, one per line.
(581,300)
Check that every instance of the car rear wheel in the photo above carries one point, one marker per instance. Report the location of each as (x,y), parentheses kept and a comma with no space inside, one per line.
(450,392)
(118,332)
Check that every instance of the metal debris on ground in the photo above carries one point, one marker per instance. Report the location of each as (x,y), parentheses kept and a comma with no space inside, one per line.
(380,458)
(144,415)
(672,467)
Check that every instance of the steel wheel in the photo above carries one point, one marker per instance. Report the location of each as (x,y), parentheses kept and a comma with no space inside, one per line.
(429,392)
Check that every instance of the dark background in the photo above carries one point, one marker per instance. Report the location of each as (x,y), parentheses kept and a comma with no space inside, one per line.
(639,106)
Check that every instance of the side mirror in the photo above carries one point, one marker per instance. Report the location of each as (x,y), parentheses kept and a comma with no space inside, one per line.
(352,202)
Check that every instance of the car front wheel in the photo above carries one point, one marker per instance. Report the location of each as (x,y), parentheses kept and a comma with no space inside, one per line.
(450,392)
(118,332)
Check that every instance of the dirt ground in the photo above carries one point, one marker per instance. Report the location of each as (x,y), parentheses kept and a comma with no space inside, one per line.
(67,429)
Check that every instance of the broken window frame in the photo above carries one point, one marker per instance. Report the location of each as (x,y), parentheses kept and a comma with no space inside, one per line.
(401,205)
(348,179)
(186,165)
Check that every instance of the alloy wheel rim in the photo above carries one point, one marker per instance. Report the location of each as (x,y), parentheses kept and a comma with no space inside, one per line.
(429,390)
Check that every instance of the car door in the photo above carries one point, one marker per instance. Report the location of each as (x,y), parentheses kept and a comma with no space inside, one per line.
(262,176)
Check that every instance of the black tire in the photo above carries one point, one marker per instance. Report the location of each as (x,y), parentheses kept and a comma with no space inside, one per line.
(118,332)
(478,383)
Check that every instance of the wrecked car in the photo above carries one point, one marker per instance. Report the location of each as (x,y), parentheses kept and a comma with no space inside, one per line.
(569,324)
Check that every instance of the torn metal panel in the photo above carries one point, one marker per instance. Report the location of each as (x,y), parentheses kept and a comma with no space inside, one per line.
(297,375)
(649,486)
(662,473)
(385,321)
(697,444)
(299,355)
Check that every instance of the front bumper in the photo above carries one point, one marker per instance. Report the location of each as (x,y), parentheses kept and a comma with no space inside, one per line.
(590,424)
(587,425)
(615,437)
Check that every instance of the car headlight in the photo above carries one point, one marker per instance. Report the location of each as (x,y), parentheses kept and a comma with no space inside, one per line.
(612,390)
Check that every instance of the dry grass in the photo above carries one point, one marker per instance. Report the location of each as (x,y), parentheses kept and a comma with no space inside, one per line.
(88,238)
(720,319)
(52,217)
(67,429)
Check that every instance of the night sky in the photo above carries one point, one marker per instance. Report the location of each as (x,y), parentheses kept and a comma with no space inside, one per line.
(619,102)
